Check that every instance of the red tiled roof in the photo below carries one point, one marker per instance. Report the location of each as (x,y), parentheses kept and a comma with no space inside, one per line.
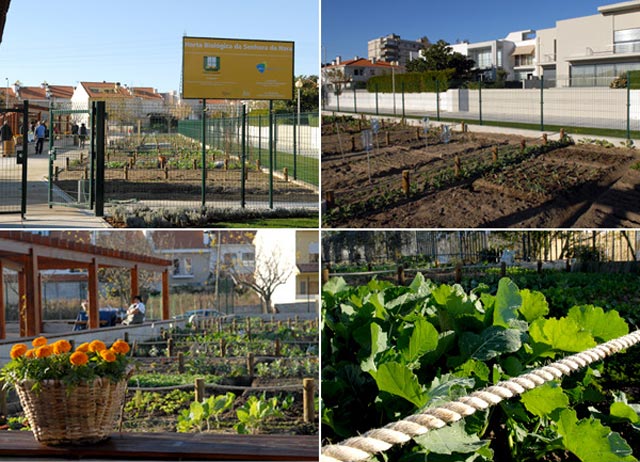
(361,62)
(5,90)
(105,90)
(146,93)
(171,240)
(57,91)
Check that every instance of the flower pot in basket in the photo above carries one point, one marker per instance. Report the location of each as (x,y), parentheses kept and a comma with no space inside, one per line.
(70,397)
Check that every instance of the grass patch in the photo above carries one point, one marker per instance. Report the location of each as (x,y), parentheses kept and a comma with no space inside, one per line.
(273,223)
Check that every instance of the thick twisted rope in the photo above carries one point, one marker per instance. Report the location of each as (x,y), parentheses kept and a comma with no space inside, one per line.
(363,447)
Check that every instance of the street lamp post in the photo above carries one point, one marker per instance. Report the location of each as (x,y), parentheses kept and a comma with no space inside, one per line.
(299,85)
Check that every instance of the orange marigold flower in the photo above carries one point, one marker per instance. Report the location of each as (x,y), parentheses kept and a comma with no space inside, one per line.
(79,358)
(30,353)
(18,350)
(44,351)
(84,347)
(108,355)
(120,346)
(97,346)
(61,346)
(38,342)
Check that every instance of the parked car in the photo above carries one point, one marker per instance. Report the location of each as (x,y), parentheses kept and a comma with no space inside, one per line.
(109,317)
(195,315)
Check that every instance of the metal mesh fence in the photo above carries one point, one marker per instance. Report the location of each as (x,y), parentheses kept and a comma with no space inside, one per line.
(596,103)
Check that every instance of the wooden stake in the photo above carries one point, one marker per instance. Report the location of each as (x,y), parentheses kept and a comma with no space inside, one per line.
(199,390)
(406,182)
(307,398)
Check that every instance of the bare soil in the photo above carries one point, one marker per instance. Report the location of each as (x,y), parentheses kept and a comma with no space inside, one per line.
(578,186)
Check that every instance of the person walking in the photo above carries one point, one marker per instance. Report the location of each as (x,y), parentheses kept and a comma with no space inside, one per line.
(40,133)
(6,136)
(83,134)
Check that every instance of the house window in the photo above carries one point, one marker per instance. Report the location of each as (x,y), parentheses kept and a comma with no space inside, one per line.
(303,288)
(482,58)
(188,268)
(626,41)
(176,266)
(524,60)
(182,267)
(248,257)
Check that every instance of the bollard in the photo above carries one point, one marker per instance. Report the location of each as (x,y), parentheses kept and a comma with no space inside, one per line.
(307,399)
(181,362)
(199,390)
(406,182)
(494,154)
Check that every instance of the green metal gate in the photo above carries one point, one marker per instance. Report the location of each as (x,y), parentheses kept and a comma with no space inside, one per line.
(13,163)
(71,157)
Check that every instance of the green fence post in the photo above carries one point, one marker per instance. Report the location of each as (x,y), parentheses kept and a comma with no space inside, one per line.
(542,103)
(480,101)
(204,153)
(338,90)
(295,140)
(260,139)
(270,154)
(25,158)
(244,157)
(355,107)
(437,99)
(628,106)
(295,157)
(377,99)
(402,88)
(275,142)
(50,192)
(100,157)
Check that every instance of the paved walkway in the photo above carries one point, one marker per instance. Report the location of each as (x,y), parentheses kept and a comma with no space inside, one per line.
(39,215)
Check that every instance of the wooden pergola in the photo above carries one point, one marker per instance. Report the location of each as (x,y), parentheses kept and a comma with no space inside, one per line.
(29,254)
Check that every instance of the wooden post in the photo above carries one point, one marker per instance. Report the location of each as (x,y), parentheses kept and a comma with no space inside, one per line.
(223,348)
(458,273)
(258,164)
(170,347)
(166,172)
(406,182)
(494,154)
(387,138)
(3,400)
(67,163)
(353,143)
(234,326)
(562,134)
(330,199)
(568,265)
(92,289)
(401,278)
(418,133)
(250,364)
(226,164)
(134,282)
(285,172)
(456,166)
(180,362)
(463,127)
(199,389)
(544,139)
(523,144)
(325,275)
(307,398)
(126,171)
(503,269)
(195,164)
(248,324)
(278,347)
(166,308)
(56,173)
(3,319)
(539,266)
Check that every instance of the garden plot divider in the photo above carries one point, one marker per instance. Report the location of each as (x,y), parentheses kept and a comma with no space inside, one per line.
(376,441)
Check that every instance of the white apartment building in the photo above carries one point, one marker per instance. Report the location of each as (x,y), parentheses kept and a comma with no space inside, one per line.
(391,48)
(591,50)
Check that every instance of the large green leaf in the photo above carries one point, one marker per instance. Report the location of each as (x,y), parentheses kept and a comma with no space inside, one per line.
(624,411)
(397,379)
(424,338)
(334,286)
(507,303)
(562,334)
(534,305)
(546,400)
(493,342)
(591,441)
(603,326)
(450,439)
(378,344)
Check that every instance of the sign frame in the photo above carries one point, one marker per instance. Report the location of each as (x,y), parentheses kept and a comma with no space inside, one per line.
(282,75)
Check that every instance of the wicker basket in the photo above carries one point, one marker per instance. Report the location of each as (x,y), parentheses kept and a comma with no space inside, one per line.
(81,414)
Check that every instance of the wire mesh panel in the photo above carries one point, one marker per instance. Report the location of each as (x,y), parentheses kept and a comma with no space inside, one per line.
(11,187)
(70,155)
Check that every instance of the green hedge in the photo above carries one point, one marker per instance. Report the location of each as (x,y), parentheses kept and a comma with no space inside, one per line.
(634,77)
(414,82)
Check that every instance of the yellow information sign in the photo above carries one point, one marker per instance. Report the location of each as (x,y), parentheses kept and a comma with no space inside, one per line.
(237,69)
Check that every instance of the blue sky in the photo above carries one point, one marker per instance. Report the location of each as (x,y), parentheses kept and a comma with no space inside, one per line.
(347,26)
(139,43)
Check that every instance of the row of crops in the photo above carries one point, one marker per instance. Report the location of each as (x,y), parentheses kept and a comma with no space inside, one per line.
(389,351)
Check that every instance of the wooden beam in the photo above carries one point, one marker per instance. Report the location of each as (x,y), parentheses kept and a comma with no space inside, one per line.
(94,309)
(166,311)
(33,309)
(135,284)
(22,302)
(3,319)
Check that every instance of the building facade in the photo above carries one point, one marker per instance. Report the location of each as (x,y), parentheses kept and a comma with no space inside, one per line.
(393,49)
(355,73)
